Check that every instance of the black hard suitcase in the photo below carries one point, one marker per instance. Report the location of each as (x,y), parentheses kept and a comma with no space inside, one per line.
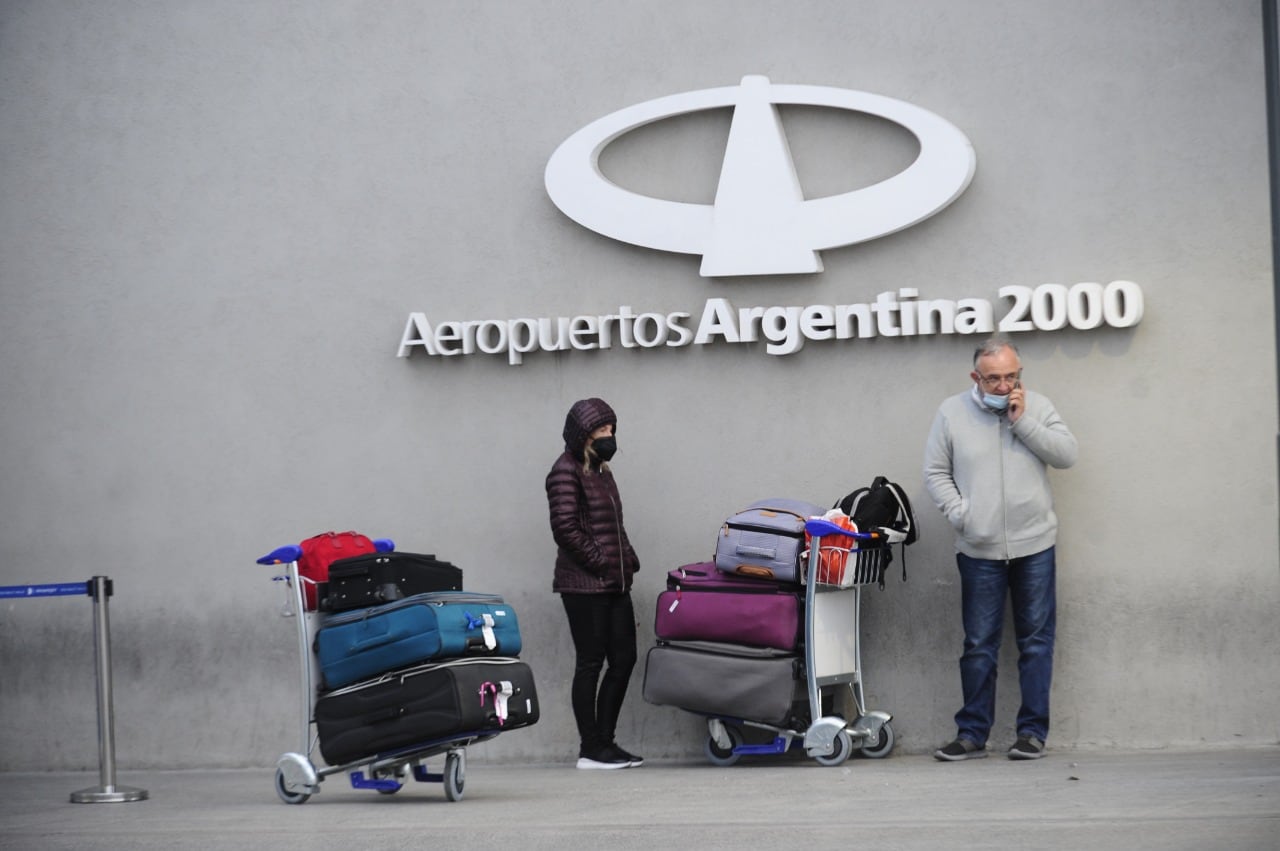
(375,578)
(424,705)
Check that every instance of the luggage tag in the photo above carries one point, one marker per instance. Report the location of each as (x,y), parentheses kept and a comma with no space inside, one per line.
(679,594)
(485,623)
(501,692)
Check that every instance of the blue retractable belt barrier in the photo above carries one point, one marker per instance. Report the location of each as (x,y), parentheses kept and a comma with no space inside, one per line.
(99,588)
(57,589)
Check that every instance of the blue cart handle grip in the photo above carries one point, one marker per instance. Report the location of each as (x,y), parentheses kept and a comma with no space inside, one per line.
(819,528)
(282,555)
(293,552)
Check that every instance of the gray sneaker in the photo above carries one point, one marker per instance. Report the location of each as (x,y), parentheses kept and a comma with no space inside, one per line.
(1027,747)
(958,750)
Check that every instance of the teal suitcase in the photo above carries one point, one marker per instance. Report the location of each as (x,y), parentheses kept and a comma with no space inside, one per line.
(364,643)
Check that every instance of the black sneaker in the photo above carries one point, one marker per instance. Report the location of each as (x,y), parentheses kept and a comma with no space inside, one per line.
(958,750)
(606,758)
(633,760)
(1027,747)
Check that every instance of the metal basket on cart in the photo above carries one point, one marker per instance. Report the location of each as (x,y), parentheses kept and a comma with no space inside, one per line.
(858,558)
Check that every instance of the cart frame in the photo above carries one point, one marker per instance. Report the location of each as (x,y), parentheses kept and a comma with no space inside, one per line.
(832,659)
(297,776)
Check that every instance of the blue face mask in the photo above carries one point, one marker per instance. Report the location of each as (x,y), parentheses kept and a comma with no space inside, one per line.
(996,403)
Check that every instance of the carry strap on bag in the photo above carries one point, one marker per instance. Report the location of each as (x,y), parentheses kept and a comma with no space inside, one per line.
(883,506)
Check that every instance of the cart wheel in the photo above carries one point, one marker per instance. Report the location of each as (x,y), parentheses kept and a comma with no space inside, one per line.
(454,776)
(723,757)
(841,747)
(287,796)
(880,748)
(399,776)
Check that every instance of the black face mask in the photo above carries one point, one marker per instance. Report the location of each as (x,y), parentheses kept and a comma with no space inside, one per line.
(605,447)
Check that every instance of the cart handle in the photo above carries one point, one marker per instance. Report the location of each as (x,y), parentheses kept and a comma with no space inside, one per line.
(282,555)
(292,552)
(819,528)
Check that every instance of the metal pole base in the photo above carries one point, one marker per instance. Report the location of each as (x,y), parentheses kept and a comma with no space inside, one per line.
(108,795)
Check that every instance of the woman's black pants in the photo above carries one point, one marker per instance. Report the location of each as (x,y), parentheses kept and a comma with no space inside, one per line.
(603,627)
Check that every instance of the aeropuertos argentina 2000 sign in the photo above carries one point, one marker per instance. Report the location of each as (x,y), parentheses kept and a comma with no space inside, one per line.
(761,224)
(784,329)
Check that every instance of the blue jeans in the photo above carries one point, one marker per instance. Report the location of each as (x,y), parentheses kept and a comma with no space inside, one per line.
(1029,581)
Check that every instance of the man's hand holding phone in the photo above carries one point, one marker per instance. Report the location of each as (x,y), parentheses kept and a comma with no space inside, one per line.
(1017,402)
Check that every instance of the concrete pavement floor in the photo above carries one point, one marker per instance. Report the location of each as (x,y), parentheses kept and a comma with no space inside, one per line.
(1133,800)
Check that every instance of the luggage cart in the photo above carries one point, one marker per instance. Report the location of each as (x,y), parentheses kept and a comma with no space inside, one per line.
(297,776)
(833,582)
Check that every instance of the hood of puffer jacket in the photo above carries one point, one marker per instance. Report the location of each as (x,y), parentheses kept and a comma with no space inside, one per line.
(584,417)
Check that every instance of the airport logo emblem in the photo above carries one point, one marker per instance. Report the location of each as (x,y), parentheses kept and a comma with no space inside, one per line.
(760,223)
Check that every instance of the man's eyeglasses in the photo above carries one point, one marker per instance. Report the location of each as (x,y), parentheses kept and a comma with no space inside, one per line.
(993,381)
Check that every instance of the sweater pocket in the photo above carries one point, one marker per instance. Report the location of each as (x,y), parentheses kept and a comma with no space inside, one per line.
(982,523)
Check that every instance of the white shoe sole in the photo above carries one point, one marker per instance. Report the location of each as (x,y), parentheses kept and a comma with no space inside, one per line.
(585,763)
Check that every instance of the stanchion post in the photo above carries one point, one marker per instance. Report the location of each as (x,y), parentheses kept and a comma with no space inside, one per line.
(107,791)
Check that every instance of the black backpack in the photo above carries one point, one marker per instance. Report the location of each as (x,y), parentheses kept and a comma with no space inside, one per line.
(882,505)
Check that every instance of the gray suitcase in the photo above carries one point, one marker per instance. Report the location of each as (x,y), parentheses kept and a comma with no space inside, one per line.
(727,680)
(766,539)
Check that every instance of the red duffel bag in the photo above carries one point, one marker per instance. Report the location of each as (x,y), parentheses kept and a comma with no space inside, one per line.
(319,551)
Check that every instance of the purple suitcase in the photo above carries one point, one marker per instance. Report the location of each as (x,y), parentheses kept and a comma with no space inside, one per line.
(702,603)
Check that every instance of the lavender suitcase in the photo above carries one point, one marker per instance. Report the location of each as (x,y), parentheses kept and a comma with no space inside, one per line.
(726,680)
(766,539)
(702,603)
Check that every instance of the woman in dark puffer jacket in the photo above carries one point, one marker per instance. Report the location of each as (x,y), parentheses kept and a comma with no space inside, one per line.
(594,566)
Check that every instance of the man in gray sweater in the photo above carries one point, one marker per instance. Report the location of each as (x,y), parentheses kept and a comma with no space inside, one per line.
(985,467)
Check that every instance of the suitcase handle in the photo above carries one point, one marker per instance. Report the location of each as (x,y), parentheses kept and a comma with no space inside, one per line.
(371,640)
(484,623)
(771,511)
(755,570)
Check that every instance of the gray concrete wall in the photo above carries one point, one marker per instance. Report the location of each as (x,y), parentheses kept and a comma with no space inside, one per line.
(216,218)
